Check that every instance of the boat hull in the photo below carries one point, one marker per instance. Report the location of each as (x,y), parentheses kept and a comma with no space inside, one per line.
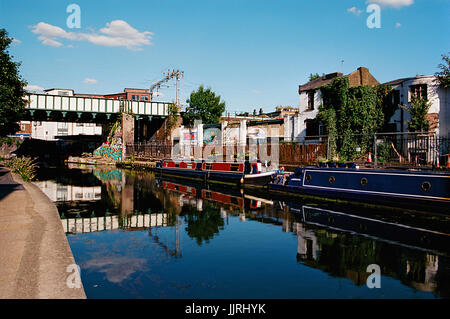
(261,179)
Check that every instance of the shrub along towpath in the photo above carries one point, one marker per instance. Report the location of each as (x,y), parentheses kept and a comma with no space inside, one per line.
(34,251)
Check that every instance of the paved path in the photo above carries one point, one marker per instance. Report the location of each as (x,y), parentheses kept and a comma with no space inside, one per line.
(34,252)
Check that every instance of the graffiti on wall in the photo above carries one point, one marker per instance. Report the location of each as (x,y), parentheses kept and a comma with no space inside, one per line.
(112,149)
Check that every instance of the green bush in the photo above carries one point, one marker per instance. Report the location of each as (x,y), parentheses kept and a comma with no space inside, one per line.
(384,151)
(6,140)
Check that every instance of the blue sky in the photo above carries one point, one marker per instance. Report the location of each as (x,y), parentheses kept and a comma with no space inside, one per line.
(254,54)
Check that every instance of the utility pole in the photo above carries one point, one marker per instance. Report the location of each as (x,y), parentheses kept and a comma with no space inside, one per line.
(178,75)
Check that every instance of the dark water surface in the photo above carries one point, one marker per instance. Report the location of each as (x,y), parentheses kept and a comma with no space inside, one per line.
(135,235)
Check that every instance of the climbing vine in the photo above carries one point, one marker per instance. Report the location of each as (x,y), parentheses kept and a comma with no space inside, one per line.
(356,113)
(173,116)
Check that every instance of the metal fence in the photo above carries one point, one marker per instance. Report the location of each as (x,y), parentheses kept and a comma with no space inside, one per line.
(149,151)
(391,149)
(418,149)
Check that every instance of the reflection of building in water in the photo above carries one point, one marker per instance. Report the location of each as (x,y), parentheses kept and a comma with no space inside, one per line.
(344,255)
(190,201)
(58,192)
(93,224)
(425,280)
(307,247)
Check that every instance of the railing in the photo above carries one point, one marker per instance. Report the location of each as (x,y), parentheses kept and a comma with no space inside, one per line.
(61,103)
(149,151)
(418,149)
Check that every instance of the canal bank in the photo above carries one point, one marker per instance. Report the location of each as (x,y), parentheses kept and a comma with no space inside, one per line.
(34,251)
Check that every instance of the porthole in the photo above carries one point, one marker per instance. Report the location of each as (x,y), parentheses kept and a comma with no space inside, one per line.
(308,178)
(331,179)
(363,181)
(426,186)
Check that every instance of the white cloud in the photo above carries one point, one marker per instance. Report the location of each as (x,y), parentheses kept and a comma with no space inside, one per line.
(34,88)
(117,33)
(16,41)
(392,3)
(90,81)
(256,92)
(355,11)
(398,25)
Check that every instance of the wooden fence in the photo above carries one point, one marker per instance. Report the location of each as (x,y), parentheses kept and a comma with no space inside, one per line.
(287,153)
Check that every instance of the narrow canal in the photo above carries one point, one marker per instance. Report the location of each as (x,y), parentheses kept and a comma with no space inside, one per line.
(135,235)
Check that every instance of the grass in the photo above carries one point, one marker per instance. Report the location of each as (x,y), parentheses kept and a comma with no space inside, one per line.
(24,166)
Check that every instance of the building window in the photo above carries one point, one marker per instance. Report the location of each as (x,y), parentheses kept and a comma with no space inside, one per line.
(419,90)
(144,98)
(121,98)
(135,97)
(312,127)
(321,129)
(310,100)
(395,97)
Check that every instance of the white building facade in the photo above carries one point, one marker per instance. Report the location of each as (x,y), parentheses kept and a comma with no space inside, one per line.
(428,88)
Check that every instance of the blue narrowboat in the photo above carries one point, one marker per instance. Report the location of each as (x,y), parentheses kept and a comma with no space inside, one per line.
(417,189)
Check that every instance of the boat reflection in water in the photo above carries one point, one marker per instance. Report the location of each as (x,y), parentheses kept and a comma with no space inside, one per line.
(341,244)
(203,227)
(418,257)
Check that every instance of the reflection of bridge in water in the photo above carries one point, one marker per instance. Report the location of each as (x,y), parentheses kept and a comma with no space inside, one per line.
(59,192)
(132,222)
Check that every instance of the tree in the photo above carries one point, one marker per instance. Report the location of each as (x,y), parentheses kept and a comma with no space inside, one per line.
(12,104)
(444,75)
(418,110)
(314,76)
(204,105)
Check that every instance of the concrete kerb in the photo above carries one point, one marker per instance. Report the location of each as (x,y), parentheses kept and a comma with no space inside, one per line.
(40,253)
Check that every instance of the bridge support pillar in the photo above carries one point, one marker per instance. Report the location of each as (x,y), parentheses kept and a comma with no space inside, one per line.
(127,131)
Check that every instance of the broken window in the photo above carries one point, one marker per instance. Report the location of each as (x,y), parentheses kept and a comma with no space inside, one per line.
(419,90)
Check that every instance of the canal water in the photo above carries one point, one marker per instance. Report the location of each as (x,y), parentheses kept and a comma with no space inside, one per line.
(135,235)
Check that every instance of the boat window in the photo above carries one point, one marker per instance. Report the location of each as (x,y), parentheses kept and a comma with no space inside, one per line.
(208,166)
(177,164)
(234,167)
(363,181)
(426,186)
